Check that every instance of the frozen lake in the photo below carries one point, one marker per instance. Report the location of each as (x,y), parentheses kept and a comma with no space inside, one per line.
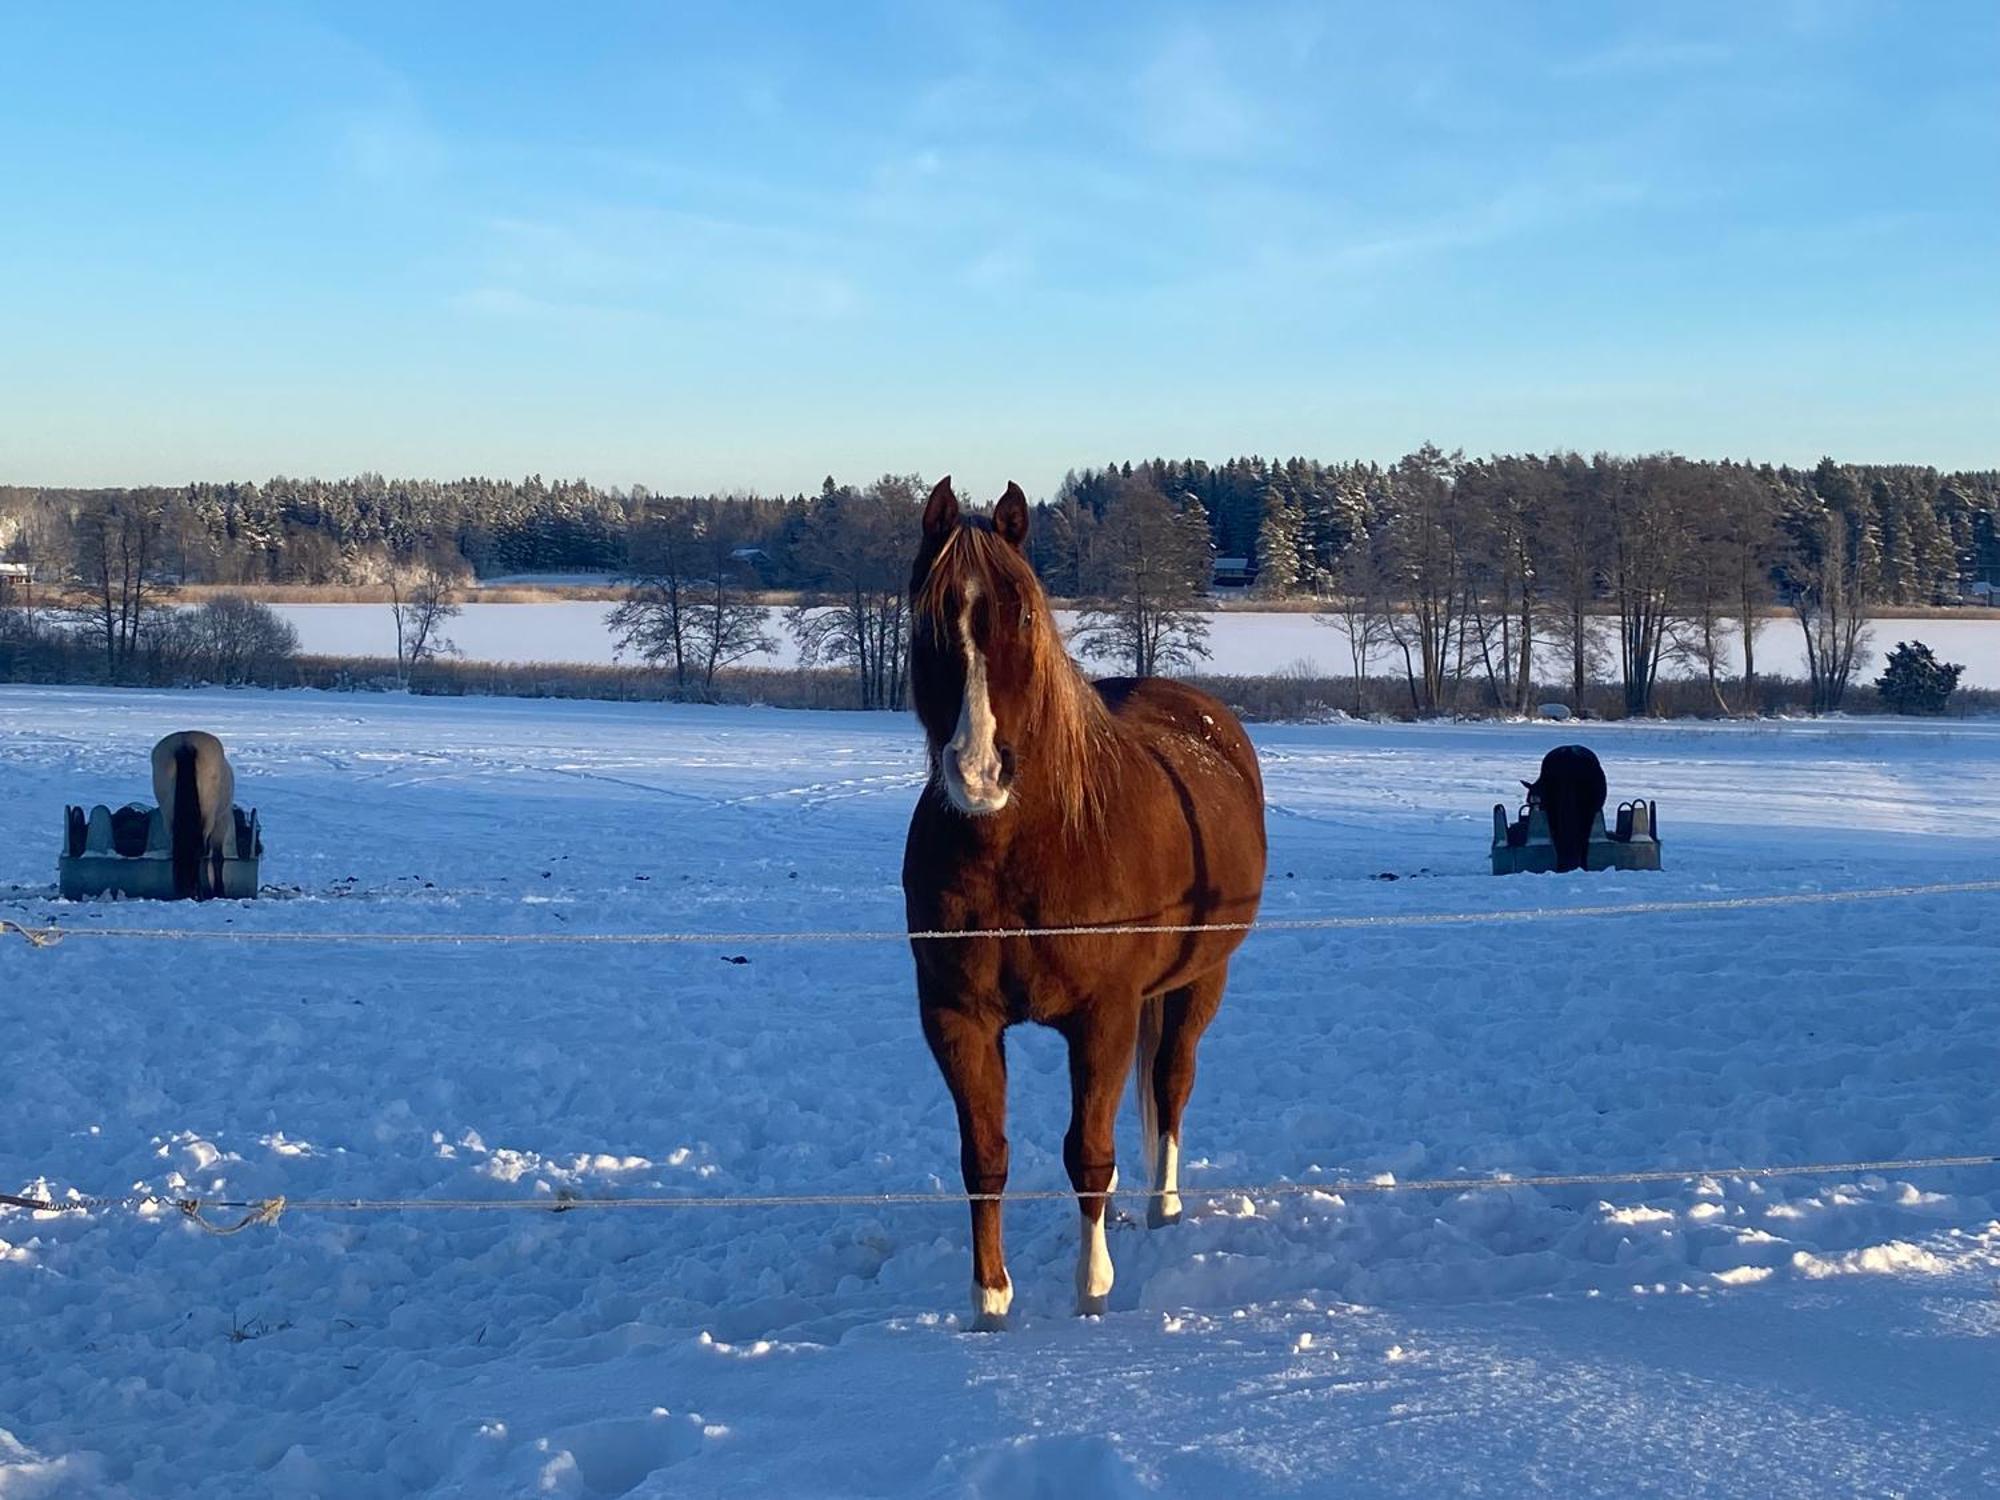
(1244,643)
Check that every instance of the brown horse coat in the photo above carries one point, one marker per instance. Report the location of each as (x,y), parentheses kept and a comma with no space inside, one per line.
(196,791)
(1056,802)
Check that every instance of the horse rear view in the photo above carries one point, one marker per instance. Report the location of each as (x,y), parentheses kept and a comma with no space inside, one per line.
(1054,802)
(196,791)
(1571,790)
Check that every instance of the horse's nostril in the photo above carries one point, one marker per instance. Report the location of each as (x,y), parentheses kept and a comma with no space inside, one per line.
(1006,765)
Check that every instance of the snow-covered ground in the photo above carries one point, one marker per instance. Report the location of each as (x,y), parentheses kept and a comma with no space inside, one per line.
(1246,642)
(1801,1336)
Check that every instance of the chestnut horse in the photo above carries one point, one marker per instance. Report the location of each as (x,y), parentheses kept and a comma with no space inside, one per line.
(1058,802)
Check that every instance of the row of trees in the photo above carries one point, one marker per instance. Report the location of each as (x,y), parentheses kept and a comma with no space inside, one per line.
(115,594)
(227,640)
(1466,577)
(690,610)
(1469,578)
(1294,522)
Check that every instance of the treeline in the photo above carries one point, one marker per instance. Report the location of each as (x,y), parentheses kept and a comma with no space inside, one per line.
(1464,577)
(1295,521)
(1292,522)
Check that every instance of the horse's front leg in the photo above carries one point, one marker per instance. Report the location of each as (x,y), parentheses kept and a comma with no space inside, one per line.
(1100,1053)
(970,1054)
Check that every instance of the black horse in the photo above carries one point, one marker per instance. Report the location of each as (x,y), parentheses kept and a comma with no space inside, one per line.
(1571,791)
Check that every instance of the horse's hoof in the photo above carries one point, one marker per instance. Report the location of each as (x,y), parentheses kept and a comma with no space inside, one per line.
(1092,1307)
(1160,1214)
(989,1323)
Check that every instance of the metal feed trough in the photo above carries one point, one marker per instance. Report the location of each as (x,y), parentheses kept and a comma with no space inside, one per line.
(1523,846)
(130,853)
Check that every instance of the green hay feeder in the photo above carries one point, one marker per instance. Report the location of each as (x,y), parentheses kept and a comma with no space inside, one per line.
(130,853)
(1522,846)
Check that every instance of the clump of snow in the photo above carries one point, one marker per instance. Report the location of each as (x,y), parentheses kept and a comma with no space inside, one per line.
(1897,1257)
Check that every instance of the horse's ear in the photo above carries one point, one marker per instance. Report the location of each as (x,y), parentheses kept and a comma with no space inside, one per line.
(1529,785)
(1010,516)
(940,511)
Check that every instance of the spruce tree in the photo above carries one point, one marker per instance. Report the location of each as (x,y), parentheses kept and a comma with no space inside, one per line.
(1278,563)
(1914,681)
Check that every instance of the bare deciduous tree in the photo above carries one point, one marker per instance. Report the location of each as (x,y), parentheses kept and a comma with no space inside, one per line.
(1151,564)
(654,621)
(1828,573)
(1424,567)
(1725,574)
(1572,540)
(1751,541)
(1501,502)
(688,607)
(1649,511)
(855,547)
(119,588)
(229,640)
(420,602)
(1362,611)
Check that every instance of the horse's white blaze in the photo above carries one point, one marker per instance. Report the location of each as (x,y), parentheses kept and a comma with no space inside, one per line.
(1093,1261)
(971,759)
(990,1303)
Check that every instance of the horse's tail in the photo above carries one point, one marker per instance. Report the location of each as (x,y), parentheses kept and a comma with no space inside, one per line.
(1572,817)
(1152,1021)
(189,830)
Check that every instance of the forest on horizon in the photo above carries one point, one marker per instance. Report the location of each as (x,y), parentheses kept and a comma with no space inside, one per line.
(1295,522)
(1461,571)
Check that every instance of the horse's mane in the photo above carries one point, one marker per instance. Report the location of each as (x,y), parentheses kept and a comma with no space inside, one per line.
(1073,728)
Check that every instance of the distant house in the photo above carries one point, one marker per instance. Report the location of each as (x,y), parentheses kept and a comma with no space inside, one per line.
(1231,573)
(752,555)
(17,581)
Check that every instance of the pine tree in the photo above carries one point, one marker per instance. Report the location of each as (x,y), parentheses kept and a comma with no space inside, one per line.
(1278,564)
(1914,681)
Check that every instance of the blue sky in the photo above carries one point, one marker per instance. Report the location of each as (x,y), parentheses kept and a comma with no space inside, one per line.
(742,245)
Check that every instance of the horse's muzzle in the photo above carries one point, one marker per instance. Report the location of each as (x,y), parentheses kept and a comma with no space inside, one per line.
(978,785)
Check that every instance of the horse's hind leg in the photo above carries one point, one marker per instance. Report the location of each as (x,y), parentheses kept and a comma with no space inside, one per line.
(1152,1017)
(1167,1078)
(1100,1046)
(969,1053)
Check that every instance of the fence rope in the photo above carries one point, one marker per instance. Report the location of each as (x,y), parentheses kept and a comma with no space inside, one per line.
(267,1211)
(51,935)
(38,937)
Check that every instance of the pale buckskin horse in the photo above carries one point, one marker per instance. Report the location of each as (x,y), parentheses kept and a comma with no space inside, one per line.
(1058,802)
(196,791)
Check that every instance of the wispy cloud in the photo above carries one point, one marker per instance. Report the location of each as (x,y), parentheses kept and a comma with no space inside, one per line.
(601,265)
(389,144)
(371,113)
(506,304)
(999,268)
(1186,103)
(1645,55)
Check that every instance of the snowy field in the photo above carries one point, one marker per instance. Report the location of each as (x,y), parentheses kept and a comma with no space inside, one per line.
(1241,642)
(1834,1334)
